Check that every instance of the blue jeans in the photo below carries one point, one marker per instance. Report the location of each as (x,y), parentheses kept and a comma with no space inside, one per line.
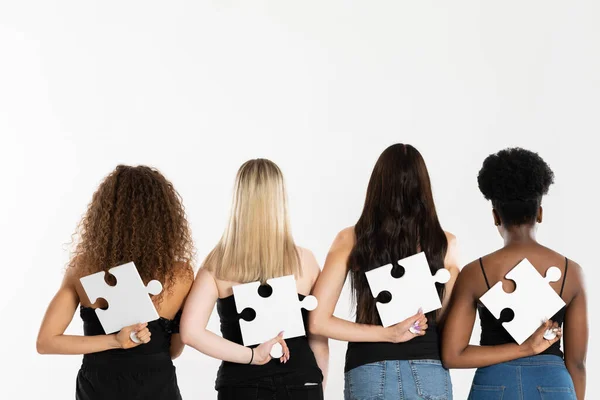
(543,377)
(404,380)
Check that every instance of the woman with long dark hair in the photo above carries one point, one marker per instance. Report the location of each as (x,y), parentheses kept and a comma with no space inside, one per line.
(135,215)
(398,220)
(515,180)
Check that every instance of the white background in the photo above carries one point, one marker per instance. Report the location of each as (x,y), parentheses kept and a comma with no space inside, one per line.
(321,88)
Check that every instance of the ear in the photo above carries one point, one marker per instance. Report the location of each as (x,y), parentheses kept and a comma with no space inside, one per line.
(540,215)
(497,220)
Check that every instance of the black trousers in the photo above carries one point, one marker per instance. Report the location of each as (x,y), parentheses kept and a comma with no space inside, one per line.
(277,387)
(149,384)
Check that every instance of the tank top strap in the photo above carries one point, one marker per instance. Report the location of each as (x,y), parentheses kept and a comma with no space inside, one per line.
(483,272)
(562,287)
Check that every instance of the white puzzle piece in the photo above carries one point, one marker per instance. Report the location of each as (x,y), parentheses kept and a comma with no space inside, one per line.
(281,311)
(532,302)
(129,302)
(415,289)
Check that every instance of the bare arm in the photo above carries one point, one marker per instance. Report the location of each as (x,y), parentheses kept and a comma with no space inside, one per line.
(456,350)
(177,346)
(328,289)
(52,340)
(183,288)
(320,347)
(451,263)
(576,333)
(318,344)
(196,313)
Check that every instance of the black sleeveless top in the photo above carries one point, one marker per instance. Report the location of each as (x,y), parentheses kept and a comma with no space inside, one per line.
(142,372)
(492,331)
(302,362)
(426,347)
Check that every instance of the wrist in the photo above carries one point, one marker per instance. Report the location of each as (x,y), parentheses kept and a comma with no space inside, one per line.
(113,341)
(251,357)
(526,351)
(385,334)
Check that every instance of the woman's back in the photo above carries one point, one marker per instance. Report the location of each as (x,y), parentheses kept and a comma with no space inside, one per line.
(494,267)
(168,306)
(301,355)
(136,216)
(515,181)
(257,245)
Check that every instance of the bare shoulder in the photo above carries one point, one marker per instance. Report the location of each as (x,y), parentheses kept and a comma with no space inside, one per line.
(184,277)
(344,240)
(471,270)
(451,261)
(575,274)
(309,263)
(451,238)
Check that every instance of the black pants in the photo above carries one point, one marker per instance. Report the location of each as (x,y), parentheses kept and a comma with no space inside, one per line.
(273,388)
(149,384)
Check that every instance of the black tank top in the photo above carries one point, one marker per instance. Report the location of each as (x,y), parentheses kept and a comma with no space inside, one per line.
(142,372)
(492,331)
(426,347)
(302,362)
(154,352)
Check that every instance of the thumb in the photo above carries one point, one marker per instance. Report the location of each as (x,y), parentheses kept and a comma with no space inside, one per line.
(417,316)
(135,328)
(275,339)
(544,327)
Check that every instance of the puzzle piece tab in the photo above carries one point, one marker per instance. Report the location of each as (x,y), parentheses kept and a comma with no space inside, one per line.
(128,300)
(279,311)
(413,290)
(532,302)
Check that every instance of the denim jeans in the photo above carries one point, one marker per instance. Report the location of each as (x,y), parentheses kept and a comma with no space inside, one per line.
(404,380)
(542,377)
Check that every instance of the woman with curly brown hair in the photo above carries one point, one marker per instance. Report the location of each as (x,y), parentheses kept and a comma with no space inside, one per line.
(135,215)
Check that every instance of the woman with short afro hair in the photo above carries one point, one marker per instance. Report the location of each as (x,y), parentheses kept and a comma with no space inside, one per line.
(515,180)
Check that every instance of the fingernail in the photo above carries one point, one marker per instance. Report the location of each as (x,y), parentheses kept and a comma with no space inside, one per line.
(420,310)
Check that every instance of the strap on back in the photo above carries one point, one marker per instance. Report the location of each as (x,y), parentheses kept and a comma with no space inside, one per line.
(485,276)
(562,287)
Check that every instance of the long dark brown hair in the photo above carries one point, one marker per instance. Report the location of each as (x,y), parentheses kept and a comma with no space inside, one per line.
(135,215)
(398,220)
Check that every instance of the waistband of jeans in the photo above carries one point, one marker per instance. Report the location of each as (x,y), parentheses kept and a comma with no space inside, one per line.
(542,359)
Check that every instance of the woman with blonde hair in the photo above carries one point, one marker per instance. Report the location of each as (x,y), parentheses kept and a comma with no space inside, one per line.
(257,245)
(135,215)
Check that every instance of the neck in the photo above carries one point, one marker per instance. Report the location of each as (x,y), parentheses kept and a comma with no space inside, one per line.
(519,234)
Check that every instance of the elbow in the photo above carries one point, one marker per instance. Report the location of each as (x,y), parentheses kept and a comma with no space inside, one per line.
(41,345)
(449,363)
(314,327)
(176,353)
(450,360)
(186,339)
(577,365)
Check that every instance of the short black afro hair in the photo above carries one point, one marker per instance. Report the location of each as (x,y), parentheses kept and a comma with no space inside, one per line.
(515,180)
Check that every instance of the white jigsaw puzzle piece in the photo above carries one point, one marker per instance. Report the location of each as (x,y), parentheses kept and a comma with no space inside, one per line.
(129,302)
(415,289)
(532,302)
(281,311)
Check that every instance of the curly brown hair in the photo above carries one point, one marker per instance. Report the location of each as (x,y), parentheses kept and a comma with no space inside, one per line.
(135,215)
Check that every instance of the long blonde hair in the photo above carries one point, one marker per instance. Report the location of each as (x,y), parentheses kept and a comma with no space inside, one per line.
(257,244)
